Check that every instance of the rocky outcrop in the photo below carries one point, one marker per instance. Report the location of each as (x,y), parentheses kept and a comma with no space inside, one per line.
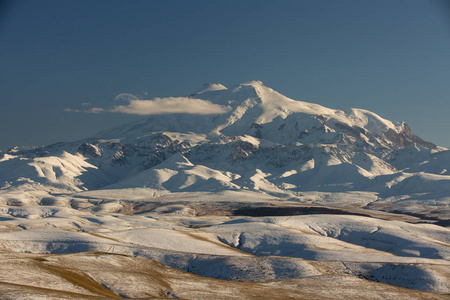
(406,138)
(90,150)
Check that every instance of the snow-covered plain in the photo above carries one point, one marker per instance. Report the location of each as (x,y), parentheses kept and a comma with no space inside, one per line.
(274,198)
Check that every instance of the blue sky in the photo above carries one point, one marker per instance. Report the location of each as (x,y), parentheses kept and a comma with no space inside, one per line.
(390,57)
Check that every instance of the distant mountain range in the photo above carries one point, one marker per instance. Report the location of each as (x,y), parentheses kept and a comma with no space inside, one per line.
(264,143)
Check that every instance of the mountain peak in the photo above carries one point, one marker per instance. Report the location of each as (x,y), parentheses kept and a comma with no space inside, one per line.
(253,83)
(177,159)
(209,87)
(279,119)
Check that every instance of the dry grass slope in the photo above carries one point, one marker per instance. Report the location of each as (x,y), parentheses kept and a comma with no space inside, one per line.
(107,276)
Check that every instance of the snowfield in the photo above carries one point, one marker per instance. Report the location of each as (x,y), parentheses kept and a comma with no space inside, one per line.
(274,198)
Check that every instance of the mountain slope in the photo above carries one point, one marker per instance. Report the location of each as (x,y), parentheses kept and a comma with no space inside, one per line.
(265,142)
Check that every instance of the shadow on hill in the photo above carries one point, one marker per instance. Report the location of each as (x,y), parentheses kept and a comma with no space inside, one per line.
(290,211)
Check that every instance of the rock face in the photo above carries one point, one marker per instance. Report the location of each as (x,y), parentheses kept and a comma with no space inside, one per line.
(90,150)
(406,138)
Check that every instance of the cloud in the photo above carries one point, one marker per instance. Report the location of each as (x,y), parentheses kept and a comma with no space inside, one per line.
(135,105)
(95,110)
(170,105)
(71,110)
(127,97)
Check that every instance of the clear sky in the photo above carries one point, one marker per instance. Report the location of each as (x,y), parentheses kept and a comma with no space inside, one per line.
(390,57)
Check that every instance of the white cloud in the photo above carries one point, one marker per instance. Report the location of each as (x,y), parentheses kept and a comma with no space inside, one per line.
(127,97)
(95,110)
(170,105)
(71,110)
(157,106)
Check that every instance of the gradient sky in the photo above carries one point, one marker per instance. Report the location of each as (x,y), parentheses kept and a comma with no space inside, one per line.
(390,57)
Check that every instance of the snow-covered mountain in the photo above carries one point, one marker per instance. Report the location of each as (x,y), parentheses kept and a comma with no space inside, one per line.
(283,196)
(265,142)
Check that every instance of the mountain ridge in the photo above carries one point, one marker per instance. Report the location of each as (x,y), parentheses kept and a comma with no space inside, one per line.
(265,142)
